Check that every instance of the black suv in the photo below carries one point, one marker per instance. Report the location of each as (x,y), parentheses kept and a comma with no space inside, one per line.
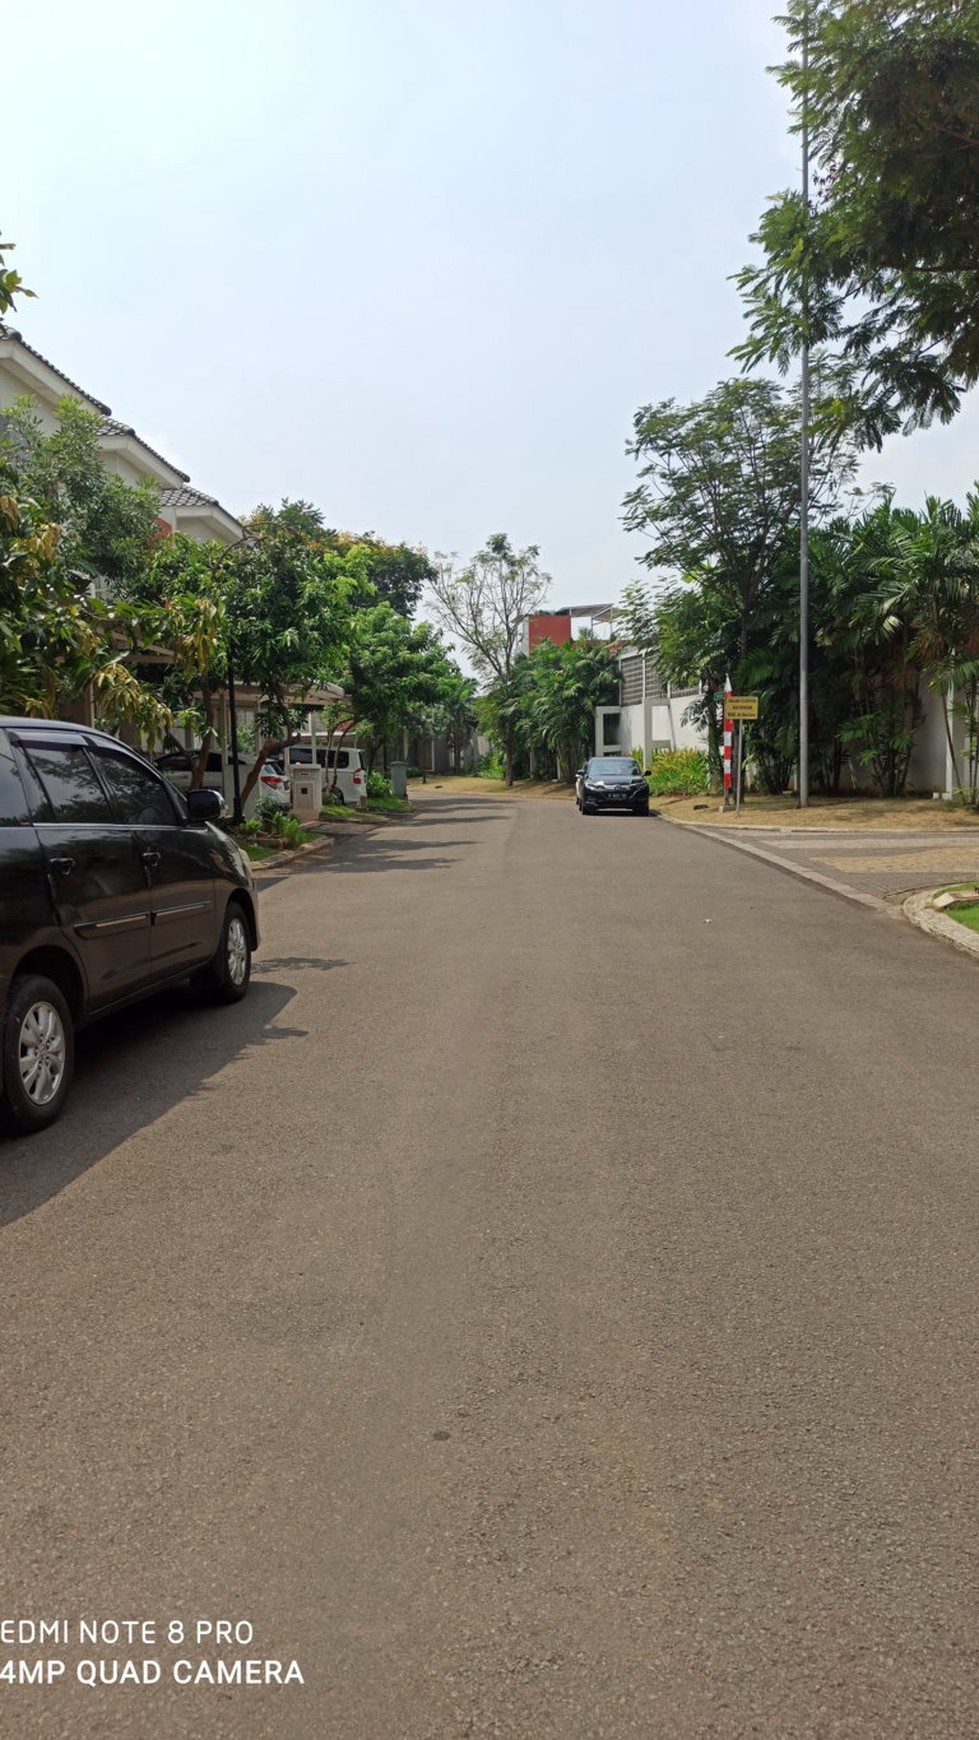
(611,782)
(112,885)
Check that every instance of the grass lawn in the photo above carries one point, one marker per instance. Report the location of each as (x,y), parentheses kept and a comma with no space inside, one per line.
(756,811)
(268,847)
(847,812)
(967,915)
(468,785)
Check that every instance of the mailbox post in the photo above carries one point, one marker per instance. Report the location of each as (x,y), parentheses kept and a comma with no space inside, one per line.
(307,792)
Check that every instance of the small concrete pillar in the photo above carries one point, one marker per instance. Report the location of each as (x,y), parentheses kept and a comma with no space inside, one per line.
(307,793)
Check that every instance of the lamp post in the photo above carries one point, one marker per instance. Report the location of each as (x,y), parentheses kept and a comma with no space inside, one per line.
(804,457)
(238,815)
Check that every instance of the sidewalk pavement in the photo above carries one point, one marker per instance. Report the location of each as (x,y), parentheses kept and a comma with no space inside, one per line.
(874,868)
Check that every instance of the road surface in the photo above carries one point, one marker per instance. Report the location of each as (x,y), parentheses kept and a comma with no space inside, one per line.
(546,1308)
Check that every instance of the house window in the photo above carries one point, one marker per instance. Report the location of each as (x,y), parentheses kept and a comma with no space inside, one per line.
(611,726)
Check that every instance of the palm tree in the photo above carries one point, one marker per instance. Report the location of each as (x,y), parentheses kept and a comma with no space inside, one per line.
(931,583)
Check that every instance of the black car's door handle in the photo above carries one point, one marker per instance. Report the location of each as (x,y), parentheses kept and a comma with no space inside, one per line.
(62,866)
(151,859)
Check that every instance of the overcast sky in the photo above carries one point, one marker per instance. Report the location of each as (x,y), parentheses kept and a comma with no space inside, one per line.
(417,261)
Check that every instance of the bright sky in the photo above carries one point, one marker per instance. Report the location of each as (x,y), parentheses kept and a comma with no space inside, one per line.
(418,261)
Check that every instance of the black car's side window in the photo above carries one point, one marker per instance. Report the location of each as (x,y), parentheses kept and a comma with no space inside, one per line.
(138,797)
(70,782)
(13,803)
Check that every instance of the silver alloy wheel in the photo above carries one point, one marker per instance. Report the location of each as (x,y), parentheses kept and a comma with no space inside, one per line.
(237,950)
(42,1052)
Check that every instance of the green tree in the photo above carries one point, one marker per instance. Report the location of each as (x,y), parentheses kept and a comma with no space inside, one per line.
(719,489)
(56,641)
(484,607)
(12,285)
(394,674)
(394,574)
(109,529)
(879,270)
(156,598)
(288,608)
(930,580)
(182,605)
(456,713)
(696,644)
(564,685)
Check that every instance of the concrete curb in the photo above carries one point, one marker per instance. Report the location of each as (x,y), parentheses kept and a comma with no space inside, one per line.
(919,910)
(279,859)
(853,828)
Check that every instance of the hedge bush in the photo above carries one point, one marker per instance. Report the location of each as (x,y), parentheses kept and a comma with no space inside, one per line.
(678,773)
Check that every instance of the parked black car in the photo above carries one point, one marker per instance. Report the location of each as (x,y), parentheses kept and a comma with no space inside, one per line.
(112,885)
(611,782)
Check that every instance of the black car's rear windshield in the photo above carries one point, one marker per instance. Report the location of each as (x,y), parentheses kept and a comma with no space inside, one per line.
(603,765)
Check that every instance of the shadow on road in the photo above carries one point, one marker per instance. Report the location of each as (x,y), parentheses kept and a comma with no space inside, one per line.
(431,819)
(378,853)
(462,802)
(132,1068)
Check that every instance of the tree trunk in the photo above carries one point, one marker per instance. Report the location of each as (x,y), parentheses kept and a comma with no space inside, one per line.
(269,747)
(197,778)
(948,738)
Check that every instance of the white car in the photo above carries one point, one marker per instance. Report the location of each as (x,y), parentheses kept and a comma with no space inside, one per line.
(345,765)
(178,766)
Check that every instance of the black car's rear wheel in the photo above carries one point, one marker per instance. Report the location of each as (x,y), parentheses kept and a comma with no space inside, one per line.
(38,1045)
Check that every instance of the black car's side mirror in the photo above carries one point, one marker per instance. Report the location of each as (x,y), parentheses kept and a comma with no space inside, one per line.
(204,806)
(647,773)
(579,773)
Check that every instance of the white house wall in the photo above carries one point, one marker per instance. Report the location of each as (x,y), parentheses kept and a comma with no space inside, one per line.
(11,389)
(930,769)
(648,725)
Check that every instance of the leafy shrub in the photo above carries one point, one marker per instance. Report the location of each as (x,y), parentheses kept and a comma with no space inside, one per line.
(291,830)
(412,772)
(378,786)
(678,772)
(268,815)
(490,766)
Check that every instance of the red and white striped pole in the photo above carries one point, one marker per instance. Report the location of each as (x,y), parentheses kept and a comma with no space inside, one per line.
(728,743)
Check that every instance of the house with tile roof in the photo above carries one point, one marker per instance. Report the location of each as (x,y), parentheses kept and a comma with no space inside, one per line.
(25,372)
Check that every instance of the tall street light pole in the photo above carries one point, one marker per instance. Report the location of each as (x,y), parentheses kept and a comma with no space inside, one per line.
(804,463)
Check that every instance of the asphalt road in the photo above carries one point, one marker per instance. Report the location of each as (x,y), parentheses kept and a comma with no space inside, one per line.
(546,1308)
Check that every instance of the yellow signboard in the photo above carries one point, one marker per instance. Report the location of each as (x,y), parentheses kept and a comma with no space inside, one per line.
(741,706)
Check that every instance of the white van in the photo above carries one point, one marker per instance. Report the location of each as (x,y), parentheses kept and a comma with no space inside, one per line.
(346,764)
